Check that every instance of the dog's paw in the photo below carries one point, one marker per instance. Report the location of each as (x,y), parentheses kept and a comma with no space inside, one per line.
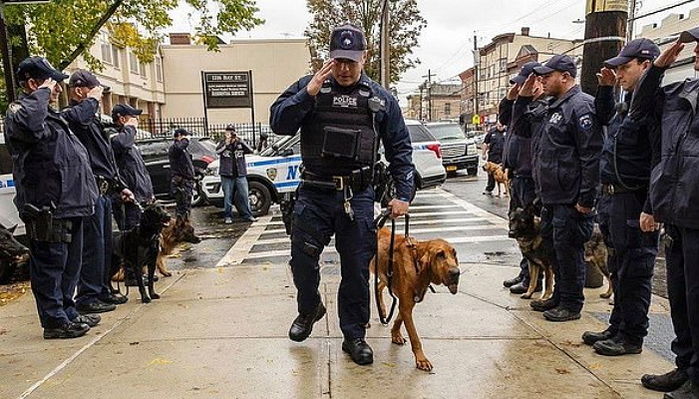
(423,364)
(166,274)
(145,299)
(154,296)
(398,340)
(526,296)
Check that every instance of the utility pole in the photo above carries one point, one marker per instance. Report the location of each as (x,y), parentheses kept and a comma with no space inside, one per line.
(429,94)
(421,116)
(476,64)
(385,45)
(632,19)
(605,33)
(6,49)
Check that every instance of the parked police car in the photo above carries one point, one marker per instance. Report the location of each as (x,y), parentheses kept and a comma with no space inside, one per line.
(9,216)
(275,171)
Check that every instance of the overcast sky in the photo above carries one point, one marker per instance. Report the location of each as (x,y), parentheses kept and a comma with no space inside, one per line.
(446,42)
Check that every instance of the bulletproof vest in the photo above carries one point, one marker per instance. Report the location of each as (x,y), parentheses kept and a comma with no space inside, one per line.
(340,136)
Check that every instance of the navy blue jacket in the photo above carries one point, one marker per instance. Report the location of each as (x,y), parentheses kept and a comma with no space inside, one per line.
(566,160)
(295,108)
(132,168)
(524,119)
(84,122)
(674,181)
(496,142)
(49,163)
(232,158)
(181,160)
(628,153)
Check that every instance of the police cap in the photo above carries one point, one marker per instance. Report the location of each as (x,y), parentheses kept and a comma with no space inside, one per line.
(83,78)
(527,69)
(124,110)
(689,36)
(38,68)
(181,132)
(639,48)
(560,63)
(348,41)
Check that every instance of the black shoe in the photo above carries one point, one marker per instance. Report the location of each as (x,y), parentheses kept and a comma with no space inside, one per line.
(90,319)
(689,390)
(114,299)
(590,337)
(617,346)
(559,314)
(95,307)
(665,382)
(542,306)
(359,351)
(302,326)
(509,283)
(66,331)
(520,288)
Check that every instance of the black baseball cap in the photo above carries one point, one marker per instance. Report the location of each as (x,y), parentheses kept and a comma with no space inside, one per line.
(124,110)
(638,48)
(230,128)
(38,68)
(560,63)
(527,69)
(181,132)
(348,41)
(689,36)
(83,78)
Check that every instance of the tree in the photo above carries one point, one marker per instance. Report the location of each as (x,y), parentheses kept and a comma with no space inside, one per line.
(406,24)
(63,30)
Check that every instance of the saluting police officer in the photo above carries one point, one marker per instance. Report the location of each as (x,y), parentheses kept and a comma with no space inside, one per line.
(674,199)
(181,174)
(94,293)
(342,114)
(517,154)
(132,168)
(56,190)
(625,173)
(566,173)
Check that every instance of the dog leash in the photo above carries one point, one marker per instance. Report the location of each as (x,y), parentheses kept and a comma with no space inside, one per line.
(379,223)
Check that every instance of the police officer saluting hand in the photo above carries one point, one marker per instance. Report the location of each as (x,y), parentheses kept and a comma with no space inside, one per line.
(625,173)
(341,114)
(566,173)
(182,175)
(56,190)
(94,293)
(674,200)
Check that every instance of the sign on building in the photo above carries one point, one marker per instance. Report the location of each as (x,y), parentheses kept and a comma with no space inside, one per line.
(227,89)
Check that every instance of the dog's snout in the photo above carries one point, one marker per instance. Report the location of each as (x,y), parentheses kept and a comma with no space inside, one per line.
(454,272)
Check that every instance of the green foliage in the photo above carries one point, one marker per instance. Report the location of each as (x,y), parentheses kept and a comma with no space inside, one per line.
(406,25)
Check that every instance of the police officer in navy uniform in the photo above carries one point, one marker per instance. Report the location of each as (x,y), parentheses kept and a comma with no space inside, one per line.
(517,155)
(625,173)
(674,201)
(181,174)
(342,114)
(132,168)
(94,293)
(493,144)
(56,190)
(566,173)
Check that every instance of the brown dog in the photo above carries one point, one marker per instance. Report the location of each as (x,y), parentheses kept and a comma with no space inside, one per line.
(500,175)
(596,254)
(416,265)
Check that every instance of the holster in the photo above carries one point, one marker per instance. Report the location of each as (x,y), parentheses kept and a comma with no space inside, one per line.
(41,226)
(286,206)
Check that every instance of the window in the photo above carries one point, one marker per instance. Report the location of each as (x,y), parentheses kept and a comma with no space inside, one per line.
(142,69)
(447,108)
(159,69)
(503,64)
(116,61)
(133,62)
(105,47)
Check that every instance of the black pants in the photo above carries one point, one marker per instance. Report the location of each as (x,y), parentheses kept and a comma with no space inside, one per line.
(491,183)
(682,256)
(182,190)
(318,214)
(522,195)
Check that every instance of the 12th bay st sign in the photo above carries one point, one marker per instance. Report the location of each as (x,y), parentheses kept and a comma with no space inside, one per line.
(227,89)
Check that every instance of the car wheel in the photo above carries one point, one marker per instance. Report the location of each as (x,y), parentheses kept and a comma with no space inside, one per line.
(7,270)
(472,171)
(260,198)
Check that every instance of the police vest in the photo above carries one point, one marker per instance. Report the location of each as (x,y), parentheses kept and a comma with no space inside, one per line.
(340,136)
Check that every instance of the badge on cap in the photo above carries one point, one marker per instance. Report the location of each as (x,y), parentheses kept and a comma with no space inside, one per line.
(347,40)
(586,122)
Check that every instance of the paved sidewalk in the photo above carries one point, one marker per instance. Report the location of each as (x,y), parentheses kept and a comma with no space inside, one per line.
(221,333)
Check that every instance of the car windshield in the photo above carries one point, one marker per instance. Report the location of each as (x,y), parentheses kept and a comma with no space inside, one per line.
(419,134)
(447,132)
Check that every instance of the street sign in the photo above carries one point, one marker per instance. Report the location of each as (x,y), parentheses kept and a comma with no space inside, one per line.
(227,89)
(24,1)
(476,120)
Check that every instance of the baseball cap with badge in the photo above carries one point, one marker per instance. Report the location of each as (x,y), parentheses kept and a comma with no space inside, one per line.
(527,69)
(124,110)
(38,68)
(83,78)
(348,41)
(638,48)
(560,63)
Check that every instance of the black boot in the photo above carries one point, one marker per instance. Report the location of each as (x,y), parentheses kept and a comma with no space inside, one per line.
(665,382)
(590,337)
(302,326)
(359,351)
(617,346)
(543,305)
(560,314)
(90,319)
(66,331)
(521,288)
(509,283)
(689,390)
(95,306)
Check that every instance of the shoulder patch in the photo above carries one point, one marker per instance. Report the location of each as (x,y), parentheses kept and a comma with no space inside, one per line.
(586,122)
(14,108)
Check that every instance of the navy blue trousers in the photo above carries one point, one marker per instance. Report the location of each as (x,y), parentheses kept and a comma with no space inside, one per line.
(318,214)
(97,253)
(54,270)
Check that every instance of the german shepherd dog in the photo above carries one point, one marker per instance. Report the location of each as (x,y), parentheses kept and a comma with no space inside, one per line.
(525,227)
(11,253)
(596,253)
(173,234)
(500,176)
(139,247)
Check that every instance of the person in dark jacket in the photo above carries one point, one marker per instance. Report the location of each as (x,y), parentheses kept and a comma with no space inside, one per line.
(493,144)
(132,168)
(674,201)
(517,156)
(341,114)
(94,293)
(181,174)
(233,172)
(56,191)
(566,174)
(625,173)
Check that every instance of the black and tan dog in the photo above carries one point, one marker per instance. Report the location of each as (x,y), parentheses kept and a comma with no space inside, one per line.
(596,254)
(139,247)
(416,265)
(11,253)
(173,234)
(525,227)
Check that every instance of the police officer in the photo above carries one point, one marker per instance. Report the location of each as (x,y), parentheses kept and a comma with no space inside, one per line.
(132,168)
(566,173)
(492,148)
(56,190)
(233,172)
(181,174)
(94,293)
(674,196)
(341,114)
(625,173)
(517,153)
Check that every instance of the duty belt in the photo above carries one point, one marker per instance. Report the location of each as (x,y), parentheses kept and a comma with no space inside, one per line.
(359,180)
(612,189)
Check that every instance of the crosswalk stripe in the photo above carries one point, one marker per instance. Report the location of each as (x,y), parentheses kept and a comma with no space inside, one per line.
(239,251)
